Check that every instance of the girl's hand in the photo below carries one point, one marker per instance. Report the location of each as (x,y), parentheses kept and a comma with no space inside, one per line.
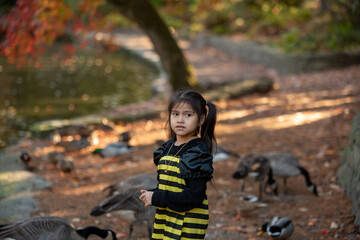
(146,197)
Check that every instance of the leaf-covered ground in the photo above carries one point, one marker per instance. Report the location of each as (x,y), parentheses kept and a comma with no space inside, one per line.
(308,115)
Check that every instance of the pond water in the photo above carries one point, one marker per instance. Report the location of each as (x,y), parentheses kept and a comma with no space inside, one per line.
(85,82)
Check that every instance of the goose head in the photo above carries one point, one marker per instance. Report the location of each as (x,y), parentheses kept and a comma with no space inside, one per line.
(242,171)
(280,228)
(25,157)
(103,233)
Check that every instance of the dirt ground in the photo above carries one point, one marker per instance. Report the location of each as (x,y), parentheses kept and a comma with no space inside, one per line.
(308,115)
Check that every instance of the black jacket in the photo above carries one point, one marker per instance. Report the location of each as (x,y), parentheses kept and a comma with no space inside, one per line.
(195,168)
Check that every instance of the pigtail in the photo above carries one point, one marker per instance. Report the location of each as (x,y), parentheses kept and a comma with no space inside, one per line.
(208,127)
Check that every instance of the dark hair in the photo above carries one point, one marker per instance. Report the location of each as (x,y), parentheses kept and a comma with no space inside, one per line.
(201,107)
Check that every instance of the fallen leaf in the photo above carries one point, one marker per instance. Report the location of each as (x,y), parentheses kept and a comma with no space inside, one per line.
(324,232)
(334,225)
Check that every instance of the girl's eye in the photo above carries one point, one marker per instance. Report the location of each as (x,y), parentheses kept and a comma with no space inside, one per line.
(174,114)
(188,115)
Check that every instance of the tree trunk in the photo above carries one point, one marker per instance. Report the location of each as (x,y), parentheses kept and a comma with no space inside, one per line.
(171,56)
(323,7)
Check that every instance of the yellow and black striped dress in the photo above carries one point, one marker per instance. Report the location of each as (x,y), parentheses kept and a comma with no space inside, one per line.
(172,174)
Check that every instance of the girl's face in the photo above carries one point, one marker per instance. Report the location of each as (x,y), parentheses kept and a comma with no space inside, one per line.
(184,121)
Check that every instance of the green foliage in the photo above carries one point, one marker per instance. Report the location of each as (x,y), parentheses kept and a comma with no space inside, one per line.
(218,22)
(291,25)
(118,20)
(332,37)
(343,34)
(272,17)
(290,39)
(173,22)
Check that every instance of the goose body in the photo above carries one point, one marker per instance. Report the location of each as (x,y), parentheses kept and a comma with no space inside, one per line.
(140,181)
(123,199)
(50,228)
(83,131)
(286,165)
(74,145)
(115,149)
(279,228)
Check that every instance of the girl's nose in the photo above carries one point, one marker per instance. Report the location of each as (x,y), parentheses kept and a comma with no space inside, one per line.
(180,118)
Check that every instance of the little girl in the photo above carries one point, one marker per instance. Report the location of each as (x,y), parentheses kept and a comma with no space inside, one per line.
(184,165)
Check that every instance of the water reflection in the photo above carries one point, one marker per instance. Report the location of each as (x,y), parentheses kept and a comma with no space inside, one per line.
(82,84)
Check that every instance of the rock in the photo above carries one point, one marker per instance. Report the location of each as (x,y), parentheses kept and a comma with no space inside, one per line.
(16,186)
(240,88)
(348,173)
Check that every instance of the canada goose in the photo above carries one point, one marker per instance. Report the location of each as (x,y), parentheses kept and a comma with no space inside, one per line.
(74,145)
(222,154)
(83,131)
(258,167)
(50,227)
(278,228)
(143,181)
(114,149)
(286,165)
(123,199)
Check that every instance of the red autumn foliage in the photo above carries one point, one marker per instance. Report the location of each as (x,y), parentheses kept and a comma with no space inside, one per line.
(32,25)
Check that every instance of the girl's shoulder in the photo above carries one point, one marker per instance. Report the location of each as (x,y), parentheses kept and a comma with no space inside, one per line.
(198,145)
(197,161)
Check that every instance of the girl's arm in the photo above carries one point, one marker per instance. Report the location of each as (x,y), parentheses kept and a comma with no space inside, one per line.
(191,197)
